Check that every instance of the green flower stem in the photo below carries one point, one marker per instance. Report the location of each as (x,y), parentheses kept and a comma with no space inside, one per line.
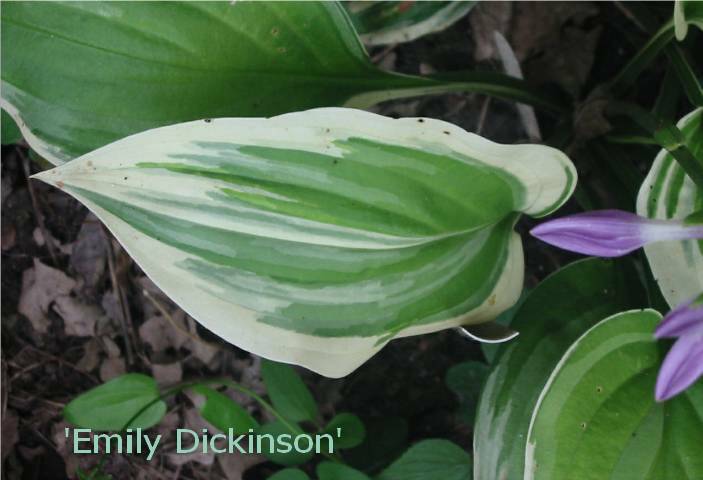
(666,135)
(643,58)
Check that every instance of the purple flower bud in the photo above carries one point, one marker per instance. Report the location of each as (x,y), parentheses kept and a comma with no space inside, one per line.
(684,319)
(611,233)
(684,362)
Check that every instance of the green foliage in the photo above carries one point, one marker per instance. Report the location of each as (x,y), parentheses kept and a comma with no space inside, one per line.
(223,413)
(147,64)
(338,471)
(432,459)
(129,401)
(288,393)
(353,431)
(289,474)
(571,397)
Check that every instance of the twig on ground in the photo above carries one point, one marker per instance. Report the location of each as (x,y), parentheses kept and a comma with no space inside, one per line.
(173,322)
(482,116)
(126,317)
(48,240)
(630,16)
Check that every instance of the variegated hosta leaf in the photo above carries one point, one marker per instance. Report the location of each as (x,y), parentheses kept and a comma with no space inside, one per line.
(384,22)
(668,193)
(316,237)
(596,417)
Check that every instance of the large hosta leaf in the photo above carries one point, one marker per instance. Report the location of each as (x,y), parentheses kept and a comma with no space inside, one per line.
(668,193)
(316,237)
(384,22)
(79,75)
(552,317)
(597,417)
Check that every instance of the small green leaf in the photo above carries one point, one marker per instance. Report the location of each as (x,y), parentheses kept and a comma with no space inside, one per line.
(596,417)
(282,451)
(387,22)
(289,395)
(353,431)
(338,471)
(554,315)
(432,459)
(222,412)
(10,132)
(465,380)
(111,405)
(289,474)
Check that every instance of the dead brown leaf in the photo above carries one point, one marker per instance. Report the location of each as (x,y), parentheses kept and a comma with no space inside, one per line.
(168,373)
(195,422)
(79,318)
(112,367)
(41,241)
(160,334)
(91,356)
(555,42)
(89,251)
(235,464)
(9,237)
(41,285)
(63,446)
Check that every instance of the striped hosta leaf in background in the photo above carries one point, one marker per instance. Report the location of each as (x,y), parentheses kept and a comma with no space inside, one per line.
(381,23)
(596,417)
(79,75)
(316,237)
(668,193)
(553,315)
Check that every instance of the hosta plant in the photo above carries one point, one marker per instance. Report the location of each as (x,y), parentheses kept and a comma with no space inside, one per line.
(222,144)
(316,237)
